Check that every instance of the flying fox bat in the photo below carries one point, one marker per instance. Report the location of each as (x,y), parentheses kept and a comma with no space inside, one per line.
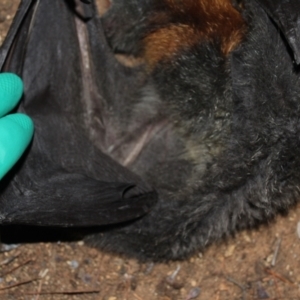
(198,141)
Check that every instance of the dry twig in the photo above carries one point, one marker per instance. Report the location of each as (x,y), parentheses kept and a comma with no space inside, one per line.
(18,284)
(278,276)
(237,284)
(137,296)
(79,292)
(17,267)
(9,260)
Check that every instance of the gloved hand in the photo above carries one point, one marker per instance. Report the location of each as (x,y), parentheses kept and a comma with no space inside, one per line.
(16,130)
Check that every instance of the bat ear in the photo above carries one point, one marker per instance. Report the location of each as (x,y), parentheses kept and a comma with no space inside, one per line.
(286,15)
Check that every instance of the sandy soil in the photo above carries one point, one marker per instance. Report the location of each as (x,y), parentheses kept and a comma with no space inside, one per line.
(259,264)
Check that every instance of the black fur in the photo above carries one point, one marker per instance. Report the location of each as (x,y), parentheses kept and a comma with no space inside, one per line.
(239,121)
(216,136)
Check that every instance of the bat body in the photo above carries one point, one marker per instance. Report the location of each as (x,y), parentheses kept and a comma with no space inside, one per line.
(203,136)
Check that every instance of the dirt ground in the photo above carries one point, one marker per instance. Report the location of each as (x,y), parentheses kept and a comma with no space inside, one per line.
(259,264)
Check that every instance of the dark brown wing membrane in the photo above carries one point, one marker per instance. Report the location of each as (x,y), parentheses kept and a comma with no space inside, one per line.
(63,179)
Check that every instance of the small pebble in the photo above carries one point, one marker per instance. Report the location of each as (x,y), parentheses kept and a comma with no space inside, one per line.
(261,293)
(194,293)
(269,258)
(246,238)
(229,251)
(43,273)
(193,283)
(73,264)
(87,278)
(149,268)
(298,229)
(58,259)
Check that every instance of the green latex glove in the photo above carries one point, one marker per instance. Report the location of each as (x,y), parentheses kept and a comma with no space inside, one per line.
(16,130)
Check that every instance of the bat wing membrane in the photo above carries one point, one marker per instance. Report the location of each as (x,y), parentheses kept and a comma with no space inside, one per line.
(63,179)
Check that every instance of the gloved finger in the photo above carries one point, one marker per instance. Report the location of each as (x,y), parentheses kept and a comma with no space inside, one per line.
(16,132)
(11,90)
